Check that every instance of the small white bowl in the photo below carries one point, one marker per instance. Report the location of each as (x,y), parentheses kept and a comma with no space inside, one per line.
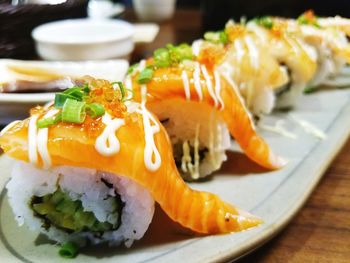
(84,39)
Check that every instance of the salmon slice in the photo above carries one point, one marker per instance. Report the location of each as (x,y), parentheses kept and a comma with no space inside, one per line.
(74,145)
(168,83)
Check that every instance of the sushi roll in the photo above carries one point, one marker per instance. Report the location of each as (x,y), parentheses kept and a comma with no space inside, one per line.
(243,58)
(331,44)
(200,108)
(89,168)
(291,51)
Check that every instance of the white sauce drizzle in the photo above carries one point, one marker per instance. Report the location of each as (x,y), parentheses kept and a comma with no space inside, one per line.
(209,85)
(150,147)
(107,144)
(42,139)
(239,50)
(186,83)
(309,127)
(152,164)
(278,128)
(253,52)
(197,80)
(128,82)
(8,127)
(32,140)
(218,89)
(196,47)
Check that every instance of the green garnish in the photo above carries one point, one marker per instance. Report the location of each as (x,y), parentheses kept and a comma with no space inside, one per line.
(265,21)
(307,19)
(68,250)
(46,122)
(73,111)
(95,110)
(216,37)
(132,68)
(145,75)
(309,90)
(75,93)
(172,55)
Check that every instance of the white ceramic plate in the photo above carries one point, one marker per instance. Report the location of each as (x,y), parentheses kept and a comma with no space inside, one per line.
(274,196)
(16,105)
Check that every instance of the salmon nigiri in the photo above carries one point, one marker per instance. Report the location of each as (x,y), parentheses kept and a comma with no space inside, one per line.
(294,53)
(197,105)
(256,72)
(91,166)
(330,42)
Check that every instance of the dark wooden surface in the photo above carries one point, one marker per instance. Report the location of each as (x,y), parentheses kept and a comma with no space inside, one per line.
(321,230)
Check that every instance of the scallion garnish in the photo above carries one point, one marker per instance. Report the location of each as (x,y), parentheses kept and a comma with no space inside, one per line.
(265,21)
(132,68)
(309,89)
(46,122)
(68,250)
(308,18)
(161,57)
(95,110)
(216,37)
(172,55)
(73,111)
(145,76)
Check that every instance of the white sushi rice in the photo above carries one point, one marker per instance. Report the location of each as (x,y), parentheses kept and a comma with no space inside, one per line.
(190,121)
(85,185)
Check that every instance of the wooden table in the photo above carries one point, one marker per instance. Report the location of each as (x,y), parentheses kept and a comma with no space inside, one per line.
(321,230)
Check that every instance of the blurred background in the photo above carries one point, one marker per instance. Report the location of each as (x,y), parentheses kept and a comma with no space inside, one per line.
(19,17)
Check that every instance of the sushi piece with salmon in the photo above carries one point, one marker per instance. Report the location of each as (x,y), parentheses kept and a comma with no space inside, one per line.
(89,168)
(200,108)
(299,58)
(330,42)
(241,55)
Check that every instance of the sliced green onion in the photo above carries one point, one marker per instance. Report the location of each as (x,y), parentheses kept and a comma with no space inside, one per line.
(46,122)
(75,92)
(130,96)
(132,68)
(95,110)
(161,58)
(73,111)
(60,99)
(223,37)
(309,90)
(68,250)
(216,37)
(265,21)
(145,76)
(303,20)
(86,89)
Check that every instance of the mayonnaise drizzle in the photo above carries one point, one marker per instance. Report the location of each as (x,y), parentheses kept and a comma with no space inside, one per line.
(218,89)
(107,143)
(209,85)
(253,52)
(186,83)
(149,129)
(32,140)
(239,50)
(152,164)
(8,127)
(197,80)
(42,139)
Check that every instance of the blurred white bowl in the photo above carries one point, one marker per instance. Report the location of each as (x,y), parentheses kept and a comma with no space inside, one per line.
(84,39)
(154,10)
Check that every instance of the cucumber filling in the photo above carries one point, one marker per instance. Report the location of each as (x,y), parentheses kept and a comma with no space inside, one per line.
(59,210)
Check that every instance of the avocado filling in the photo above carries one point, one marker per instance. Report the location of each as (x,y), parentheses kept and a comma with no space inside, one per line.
(59,210)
